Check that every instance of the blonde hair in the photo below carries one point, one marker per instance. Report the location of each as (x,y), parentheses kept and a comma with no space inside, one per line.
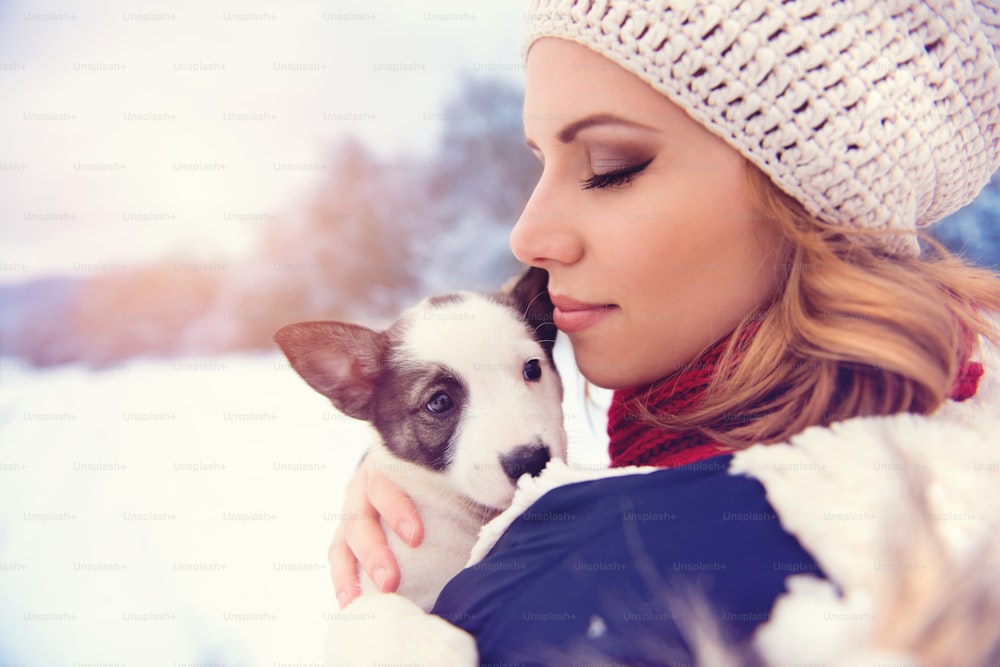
(851,332)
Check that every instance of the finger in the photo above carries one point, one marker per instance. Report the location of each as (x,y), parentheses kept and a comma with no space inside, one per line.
(395,507)
(343,571)
(366,540)
(343,561)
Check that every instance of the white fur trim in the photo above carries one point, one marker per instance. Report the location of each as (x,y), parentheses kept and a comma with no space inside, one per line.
(848,491)
(835,488)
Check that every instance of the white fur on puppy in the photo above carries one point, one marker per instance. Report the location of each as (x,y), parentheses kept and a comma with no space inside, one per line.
(466,400)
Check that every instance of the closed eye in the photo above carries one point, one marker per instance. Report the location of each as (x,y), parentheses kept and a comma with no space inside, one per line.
(615,178)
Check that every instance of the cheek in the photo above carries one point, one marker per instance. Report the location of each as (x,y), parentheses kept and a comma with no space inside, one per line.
(704,281)
(700,243)
(607,369)
(689,281)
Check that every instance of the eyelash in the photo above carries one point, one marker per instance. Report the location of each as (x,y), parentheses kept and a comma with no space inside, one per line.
(613,179)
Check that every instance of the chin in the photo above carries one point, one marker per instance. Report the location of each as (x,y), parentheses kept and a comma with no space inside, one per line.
(614,371)
(604,372)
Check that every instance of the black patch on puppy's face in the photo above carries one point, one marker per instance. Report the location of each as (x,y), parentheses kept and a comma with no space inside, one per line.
(401,414)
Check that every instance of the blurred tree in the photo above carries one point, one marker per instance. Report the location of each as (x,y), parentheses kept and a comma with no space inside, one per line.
(477,184)
(350,250)
(482,168)
(974,231)
(145,310)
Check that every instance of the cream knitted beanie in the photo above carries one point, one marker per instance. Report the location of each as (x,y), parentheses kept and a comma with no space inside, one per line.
(874,114)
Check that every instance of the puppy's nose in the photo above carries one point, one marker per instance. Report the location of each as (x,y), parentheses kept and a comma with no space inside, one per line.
(525,459)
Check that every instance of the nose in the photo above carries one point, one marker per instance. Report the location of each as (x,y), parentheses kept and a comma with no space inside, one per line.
(525,459)
(545,231)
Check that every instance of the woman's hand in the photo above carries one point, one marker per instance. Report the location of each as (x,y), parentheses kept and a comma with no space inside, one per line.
(359,537)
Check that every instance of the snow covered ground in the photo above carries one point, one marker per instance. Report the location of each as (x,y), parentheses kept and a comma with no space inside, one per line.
(177,512)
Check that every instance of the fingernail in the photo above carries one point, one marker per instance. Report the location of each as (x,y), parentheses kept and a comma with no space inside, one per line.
(379,575)
(407,530)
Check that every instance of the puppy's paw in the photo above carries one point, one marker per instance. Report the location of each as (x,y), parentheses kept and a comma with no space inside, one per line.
(389,629)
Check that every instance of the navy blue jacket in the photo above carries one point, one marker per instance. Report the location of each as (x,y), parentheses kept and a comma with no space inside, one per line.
(594,571)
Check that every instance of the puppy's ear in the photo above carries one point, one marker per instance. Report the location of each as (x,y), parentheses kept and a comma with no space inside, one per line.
(339,360)
(530,294)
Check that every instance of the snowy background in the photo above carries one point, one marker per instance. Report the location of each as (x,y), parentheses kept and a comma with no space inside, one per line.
(178,181)
(177,513)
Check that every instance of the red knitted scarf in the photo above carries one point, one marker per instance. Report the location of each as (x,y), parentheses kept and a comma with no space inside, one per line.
(634,441)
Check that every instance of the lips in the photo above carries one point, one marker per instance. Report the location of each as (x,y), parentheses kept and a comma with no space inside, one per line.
(572,316)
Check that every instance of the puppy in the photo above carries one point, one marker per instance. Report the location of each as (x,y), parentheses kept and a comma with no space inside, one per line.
(465,398)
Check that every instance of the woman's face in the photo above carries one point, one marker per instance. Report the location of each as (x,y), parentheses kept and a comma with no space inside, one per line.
(641,217)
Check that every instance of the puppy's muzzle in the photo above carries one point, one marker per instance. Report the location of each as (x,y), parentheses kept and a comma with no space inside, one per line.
(529,459)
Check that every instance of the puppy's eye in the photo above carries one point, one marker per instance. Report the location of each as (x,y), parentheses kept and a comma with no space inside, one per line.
(440,403)
(532,370)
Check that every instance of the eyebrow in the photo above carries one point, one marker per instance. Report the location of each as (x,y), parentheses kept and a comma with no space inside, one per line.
(568,133)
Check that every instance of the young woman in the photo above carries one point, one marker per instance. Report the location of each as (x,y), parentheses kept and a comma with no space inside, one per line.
(728,214)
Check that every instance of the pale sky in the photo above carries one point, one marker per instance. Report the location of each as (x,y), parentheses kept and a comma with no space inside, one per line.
(132,130)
